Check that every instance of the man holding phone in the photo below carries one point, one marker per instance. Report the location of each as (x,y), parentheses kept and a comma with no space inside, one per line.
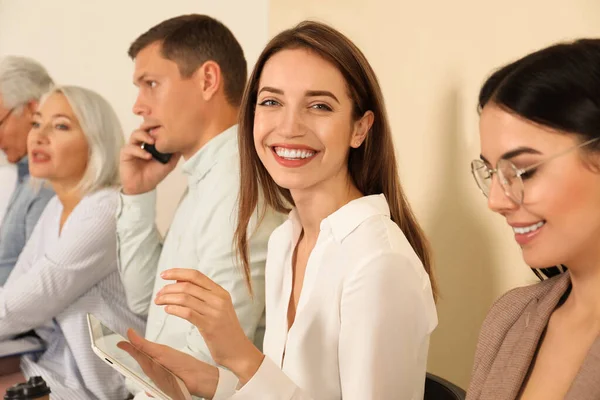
(190,72)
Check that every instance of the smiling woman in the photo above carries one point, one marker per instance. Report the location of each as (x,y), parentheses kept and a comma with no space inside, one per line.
(349,299)
(540,170)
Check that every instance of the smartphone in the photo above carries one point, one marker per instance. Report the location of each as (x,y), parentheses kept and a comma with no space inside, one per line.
(158,156)
(104,345)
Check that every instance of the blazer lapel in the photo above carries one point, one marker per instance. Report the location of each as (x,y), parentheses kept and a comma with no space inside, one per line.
(517,352)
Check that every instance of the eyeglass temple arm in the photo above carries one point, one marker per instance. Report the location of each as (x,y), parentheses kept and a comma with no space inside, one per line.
(570,149)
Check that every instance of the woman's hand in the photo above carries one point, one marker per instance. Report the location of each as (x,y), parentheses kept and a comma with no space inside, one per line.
(199,300)
(199,377)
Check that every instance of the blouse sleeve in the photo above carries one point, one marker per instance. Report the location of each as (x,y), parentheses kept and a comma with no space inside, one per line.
(387,316)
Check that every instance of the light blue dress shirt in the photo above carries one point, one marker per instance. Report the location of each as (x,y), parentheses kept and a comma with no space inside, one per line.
(24,209)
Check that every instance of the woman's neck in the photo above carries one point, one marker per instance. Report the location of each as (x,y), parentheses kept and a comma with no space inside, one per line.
(584,298)
(69,196)
(313,205)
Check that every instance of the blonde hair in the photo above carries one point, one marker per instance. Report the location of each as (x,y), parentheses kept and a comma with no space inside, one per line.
(103,132)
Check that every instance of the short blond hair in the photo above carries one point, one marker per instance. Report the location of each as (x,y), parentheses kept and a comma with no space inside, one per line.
(103,132)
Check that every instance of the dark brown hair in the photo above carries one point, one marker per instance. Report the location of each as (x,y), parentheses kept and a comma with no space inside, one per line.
(557,87)
(192,40)
(372,166)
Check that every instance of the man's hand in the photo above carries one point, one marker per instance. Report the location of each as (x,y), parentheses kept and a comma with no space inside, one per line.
(140,173)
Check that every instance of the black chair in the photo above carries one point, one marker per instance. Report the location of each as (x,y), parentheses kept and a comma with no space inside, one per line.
(437,388)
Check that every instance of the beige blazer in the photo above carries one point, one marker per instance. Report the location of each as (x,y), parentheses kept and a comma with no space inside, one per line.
(509,339)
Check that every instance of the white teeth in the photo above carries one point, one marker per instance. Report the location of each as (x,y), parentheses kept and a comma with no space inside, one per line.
(528,229)
(293,154)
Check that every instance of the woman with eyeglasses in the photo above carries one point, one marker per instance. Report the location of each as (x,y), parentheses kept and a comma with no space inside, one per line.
(540,170)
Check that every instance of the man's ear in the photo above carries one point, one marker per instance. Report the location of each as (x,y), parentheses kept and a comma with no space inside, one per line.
(209,78)
(31,107)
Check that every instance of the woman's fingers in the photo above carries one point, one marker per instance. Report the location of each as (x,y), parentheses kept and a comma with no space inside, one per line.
(190,275)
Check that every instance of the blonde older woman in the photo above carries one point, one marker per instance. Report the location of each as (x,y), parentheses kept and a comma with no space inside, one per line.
(68,267)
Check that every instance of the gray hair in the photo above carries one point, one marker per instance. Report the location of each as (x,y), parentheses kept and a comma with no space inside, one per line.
(22,80)
(103,132)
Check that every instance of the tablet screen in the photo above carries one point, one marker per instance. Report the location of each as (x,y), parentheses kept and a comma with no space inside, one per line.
(105,340)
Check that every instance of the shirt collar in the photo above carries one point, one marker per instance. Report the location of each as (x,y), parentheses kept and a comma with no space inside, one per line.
(205,158)
(22,169)
(346,219)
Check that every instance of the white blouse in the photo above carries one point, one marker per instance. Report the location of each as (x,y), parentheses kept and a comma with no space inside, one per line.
(364,316)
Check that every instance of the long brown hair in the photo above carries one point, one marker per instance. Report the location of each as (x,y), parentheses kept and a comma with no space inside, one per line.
(372,166)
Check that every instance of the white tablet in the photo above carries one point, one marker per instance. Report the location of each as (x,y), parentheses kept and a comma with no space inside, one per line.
(104,344)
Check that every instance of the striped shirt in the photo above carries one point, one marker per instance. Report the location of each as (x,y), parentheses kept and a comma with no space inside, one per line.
(24,209)
(58,279)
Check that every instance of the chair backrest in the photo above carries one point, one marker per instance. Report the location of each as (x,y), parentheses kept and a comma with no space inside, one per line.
(437,388)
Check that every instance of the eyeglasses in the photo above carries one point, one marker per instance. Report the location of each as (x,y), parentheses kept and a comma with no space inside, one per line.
(509,176)
(3,120)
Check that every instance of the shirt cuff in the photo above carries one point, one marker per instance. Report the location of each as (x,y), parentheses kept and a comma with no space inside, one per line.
(268,383)
(136,207)
(226,384)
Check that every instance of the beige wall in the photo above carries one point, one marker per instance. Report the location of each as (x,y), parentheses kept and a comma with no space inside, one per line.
(431,57)
(85,43)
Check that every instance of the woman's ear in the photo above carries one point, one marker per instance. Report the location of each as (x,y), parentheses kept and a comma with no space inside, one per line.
(362,127)
(593,160)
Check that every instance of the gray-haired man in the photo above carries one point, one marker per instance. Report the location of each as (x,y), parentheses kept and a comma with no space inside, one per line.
(22,82)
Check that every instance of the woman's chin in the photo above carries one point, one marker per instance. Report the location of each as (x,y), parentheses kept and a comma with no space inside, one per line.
(539,261)
(40,173)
